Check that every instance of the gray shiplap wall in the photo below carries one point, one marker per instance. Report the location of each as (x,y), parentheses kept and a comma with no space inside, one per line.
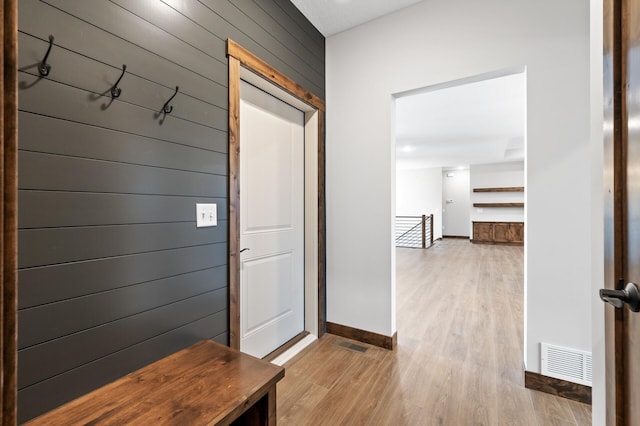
(113,273)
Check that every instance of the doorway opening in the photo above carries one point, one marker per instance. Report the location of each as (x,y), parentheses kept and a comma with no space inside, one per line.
(460,156)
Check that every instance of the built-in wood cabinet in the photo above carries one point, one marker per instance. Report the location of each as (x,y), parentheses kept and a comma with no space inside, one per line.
(482,231)
(498,233)
(495,232)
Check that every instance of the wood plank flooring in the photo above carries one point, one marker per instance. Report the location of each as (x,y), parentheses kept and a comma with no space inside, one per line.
(459,354)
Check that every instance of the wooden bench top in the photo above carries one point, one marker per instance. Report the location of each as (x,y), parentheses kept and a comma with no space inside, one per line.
(204,384)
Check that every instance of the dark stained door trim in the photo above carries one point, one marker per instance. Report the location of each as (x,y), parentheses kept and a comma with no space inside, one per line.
(238,56)
(8,214)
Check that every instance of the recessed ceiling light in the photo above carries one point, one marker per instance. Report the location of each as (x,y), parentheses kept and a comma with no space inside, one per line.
(460,167)
(407,148)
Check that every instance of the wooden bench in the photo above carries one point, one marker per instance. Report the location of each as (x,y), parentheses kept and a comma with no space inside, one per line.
(204,384)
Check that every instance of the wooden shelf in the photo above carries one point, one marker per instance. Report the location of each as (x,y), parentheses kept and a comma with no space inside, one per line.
(498,204)
(503,189)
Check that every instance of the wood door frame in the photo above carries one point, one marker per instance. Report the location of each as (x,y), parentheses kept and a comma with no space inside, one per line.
(9,214)
(240,61)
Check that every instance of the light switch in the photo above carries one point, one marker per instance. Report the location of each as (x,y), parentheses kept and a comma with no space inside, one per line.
(206,215)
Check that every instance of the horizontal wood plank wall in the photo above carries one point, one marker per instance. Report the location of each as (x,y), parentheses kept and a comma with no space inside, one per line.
(113,274)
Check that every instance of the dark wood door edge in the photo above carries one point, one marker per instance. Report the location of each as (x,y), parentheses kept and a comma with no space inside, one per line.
(460,237)
(558,387)
(375,339)
(282,349)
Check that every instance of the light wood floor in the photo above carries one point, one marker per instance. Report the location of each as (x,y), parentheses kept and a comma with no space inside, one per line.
(458,360)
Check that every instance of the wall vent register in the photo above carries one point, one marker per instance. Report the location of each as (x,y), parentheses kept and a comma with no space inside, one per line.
(566,364)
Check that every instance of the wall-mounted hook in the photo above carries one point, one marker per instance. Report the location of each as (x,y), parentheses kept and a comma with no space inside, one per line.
(115,90)
(43,67)
(168,108)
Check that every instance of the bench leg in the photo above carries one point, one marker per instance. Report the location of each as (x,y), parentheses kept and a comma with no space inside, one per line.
(271,407)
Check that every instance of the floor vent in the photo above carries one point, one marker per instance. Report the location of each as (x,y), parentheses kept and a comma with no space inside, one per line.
(566,364)
(352,346)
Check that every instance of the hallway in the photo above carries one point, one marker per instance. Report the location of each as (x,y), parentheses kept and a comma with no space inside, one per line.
(459,354)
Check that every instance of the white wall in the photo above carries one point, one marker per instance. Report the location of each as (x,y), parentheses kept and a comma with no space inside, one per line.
(492,176)
(455,203)
(431,43)
(419,192)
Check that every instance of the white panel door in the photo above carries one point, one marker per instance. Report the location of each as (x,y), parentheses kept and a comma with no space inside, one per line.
(271,221)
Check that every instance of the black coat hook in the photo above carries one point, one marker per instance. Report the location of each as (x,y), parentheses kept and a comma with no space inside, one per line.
(168,108)
(43,67)
(115,90)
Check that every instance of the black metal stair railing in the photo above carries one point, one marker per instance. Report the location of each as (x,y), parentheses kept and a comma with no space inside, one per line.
(414,231)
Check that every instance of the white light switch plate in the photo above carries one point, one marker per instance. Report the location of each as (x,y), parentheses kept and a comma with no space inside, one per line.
(206,215)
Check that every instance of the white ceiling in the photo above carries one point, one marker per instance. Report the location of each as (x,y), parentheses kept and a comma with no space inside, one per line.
(475,123)
(333,16)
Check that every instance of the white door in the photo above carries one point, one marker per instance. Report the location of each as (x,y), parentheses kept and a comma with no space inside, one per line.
(271,221)
(456,204)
